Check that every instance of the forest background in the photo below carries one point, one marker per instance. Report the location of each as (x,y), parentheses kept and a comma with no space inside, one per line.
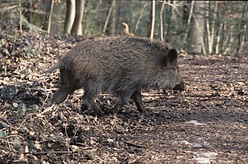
(201,27)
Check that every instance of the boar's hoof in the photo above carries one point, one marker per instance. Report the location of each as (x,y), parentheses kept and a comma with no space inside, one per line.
(93,111)
(60,95)
(180,87)
(84,107)
(116,109)
(136,96)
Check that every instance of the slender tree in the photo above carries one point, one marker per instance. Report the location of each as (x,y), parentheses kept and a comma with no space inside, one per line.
(70,15)
(112,23)
(187,16)
(108,16)
(230,40)
(241,37)
(198,27)
(211,30)
(20,12)
(161,22)
(152,19)
(74,16)
(56,27)
(77,24)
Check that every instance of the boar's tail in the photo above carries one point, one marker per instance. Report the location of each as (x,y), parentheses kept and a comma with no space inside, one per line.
(55,66)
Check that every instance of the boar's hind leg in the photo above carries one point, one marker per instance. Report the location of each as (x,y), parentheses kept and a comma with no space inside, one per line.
(136,96)
(124,97)
(61,95)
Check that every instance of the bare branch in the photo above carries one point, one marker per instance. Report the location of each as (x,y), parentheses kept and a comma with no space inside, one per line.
(188,22)
(173,6)
(161,22)
(50,18)
(107,19)
(141,14)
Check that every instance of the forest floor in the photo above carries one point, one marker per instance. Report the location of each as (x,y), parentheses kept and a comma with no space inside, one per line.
(207,123)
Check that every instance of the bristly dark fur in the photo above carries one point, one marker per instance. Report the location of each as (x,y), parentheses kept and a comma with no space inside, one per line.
(122,65)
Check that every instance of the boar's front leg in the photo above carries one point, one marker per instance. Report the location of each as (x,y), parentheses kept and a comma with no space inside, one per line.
(60,95)
(124,97)
(67,88)
(88,99)
(180,86)
(136,96)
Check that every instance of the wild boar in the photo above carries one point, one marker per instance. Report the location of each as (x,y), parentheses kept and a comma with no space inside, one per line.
(120,65)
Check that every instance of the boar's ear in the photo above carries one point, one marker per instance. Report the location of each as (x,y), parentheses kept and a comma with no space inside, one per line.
(172,56)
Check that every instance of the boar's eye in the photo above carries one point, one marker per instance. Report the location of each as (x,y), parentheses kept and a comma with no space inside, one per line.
(175,69)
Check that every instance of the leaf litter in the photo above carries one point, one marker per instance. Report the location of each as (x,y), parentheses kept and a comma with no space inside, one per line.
(205,124)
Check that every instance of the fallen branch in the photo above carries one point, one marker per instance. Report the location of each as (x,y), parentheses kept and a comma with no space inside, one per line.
(133,144)
(49,152)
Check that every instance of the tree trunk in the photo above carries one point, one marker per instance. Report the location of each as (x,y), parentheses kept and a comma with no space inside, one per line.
(211,33)
(55,25)
(241,38)
(118,15)
(198,24)
(213,28)
(229,41)
(20,12)
(218,39)
(225,36)
(168,21)
(70,15)
(161,22)
(173,18)
(152,19)
(50,17)
(112,22)
(208,24)
(112,17)
(188,13)
(77,24)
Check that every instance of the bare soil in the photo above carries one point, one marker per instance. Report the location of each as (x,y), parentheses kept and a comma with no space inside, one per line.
(208,123)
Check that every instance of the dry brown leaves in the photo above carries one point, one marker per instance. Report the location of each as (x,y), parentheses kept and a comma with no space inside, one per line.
(205,124)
